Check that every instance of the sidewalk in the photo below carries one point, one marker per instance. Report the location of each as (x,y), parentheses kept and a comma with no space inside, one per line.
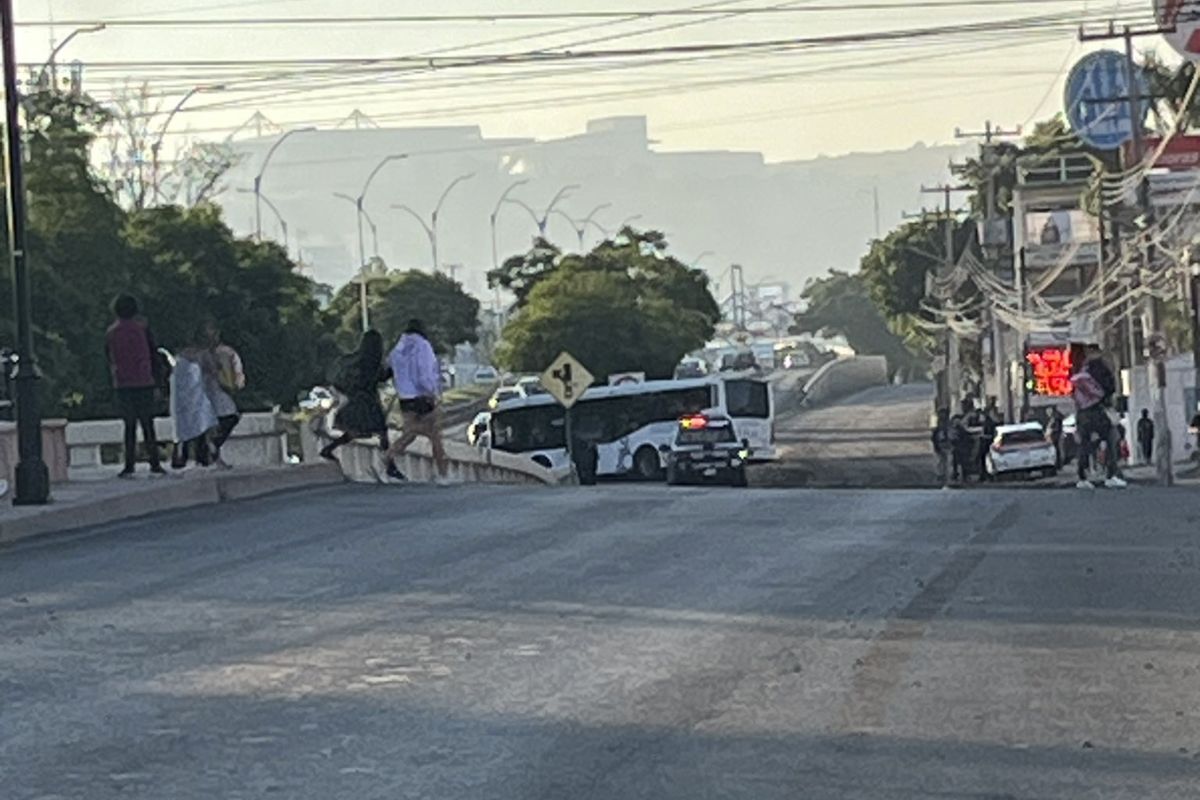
(106,499)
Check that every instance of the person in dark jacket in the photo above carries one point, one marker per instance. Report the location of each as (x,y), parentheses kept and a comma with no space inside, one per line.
(134,364)
(942,439)
(362,414)
(1145,436)
(1054,432)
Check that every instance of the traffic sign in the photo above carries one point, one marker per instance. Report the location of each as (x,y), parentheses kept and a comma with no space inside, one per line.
(566,379)
(1097,100)
(1184,17)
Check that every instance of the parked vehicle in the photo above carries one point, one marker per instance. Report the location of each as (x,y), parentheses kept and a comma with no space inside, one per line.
(706,450)
(486,375)
(1021,448)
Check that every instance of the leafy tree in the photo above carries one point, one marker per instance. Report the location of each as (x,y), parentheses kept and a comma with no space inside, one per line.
(519,274)
(841,304)
(896,266)
(450,315)
(626,305)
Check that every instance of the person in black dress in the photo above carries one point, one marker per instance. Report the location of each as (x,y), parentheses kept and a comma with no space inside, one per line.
(362,414)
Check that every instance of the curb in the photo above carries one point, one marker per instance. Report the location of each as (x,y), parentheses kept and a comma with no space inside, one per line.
(167,495)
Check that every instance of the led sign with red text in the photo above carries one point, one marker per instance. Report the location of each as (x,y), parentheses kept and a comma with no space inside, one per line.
(1051,370)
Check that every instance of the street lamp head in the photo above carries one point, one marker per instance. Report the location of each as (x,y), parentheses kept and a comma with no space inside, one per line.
(99,26)
(216,87)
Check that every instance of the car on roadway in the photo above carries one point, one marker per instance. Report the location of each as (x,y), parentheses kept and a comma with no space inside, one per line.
(477,430)
(531,385)
(505,393)
(486,375)
(1021,448)
(706,450)
(690,368)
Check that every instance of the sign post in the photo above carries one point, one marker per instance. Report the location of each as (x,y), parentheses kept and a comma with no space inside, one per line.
(566,380)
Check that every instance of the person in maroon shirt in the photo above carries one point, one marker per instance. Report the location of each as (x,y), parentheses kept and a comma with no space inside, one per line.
(133,361)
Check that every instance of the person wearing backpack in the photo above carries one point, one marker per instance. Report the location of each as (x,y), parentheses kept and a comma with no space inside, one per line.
(1092,389)
(357,376)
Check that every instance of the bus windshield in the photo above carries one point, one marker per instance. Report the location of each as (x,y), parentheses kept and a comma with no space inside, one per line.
(746,398)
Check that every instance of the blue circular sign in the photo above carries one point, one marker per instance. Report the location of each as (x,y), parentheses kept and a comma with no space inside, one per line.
(1097,100)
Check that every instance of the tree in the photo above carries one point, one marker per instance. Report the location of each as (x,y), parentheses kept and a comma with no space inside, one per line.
(841,304)
(626,305)
(896,266)
(450,315)
(519,274)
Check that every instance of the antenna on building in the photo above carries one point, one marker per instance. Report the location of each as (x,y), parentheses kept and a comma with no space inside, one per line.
(359,120)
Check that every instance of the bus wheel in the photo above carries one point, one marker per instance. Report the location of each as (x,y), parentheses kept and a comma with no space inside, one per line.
(647,465)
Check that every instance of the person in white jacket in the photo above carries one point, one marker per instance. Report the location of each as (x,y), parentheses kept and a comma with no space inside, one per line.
(419,387)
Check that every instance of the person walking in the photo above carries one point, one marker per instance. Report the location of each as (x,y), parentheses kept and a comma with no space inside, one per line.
(225,377)
(1145,436)
(1092,389)
(358,377)
(419,387)
(191,407)
(136,374)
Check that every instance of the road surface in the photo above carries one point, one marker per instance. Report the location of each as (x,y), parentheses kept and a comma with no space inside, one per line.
(878,437)
(611,643)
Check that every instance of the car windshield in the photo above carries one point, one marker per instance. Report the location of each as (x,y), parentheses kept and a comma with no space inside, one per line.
(1023,437)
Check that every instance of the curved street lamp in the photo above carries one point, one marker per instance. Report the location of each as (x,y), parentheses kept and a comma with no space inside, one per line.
(283,226)
(580,226)
(162,132)
(496,212)
(543,218)
(431,228)
(50,64)
(262,170)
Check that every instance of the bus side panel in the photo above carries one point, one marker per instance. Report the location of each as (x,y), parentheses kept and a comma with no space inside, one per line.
(617,458)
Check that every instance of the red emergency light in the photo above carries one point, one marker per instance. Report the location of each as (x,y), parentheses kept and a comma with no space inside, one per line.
(694,423)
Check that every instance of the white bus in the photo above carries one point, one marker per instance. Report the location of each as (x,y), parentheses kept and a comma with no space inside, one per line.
(630,423)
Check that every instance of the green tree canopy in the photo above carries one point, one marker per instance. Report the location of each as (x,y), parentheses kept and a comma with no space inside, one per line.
(520,273)
(450,315)
(841,304)
(626,305)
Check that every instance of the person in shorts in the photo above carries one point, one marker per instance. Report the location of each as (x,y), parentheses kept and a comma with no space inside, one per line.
(418,383)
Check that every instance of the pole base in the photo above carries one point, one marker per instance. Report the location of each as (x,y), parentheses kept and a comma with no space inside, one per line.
(32,483)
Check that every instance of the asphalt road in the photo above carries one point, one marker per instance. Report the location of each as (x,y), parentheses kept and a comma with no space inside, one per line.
(617,642)
(875,438)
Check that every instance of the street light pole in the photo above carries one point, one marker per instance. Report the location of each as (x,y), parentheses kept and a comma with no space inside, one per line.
(590,219)
(438,210)
(430,234)
(32,477)
(262,170)
(50,65)
(496,213)
(158,142)
(283,226)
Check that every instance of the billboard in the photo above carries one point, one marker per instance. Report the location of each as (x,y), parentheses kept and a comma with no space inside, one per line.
(1053,235)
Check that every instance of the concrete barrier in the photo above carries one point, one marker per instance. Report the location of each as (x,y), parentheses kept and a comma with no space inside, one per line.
(843,377)
(362,461)
(259,440)
(54,449)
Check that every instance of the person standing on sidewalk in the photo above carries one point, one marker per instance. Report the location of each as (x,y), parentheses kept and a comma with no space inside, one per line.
(943,446)
(1054,432)
(1092,388)
(419,387)
(228,377)
(136,373)
(191,409)
(1145,436)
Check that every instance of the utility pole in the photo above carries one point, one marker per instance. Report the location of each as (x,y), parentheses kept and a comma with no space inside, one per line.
(951,383)
(737,282)
(32,476)
(987,157)
(1151,312)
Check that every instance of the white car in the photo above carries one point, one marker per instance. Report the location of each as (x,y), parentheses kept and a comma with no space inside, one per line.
(504,394)
(1021,448)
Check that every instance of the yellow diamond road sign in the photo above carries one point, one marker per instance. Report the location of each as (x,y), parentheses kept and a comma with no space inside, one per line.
(566,379)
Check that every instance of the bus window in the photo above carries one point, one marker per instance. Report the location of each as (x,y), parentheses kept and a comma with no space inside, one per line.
(747,399)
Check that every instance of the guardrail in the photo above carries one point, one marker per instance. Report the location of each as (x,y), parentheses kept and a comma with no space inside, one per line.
(362,462)
(258,440)
(843,377)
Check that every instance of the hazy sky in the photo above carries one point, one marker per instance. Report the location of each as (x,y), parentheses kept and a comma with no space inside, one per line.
(794,104)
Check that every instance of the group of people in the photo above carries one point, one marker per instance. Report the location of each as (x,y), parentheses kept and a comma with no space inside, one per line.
(959,440)
(207,373)
(202,382)
(412,366)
